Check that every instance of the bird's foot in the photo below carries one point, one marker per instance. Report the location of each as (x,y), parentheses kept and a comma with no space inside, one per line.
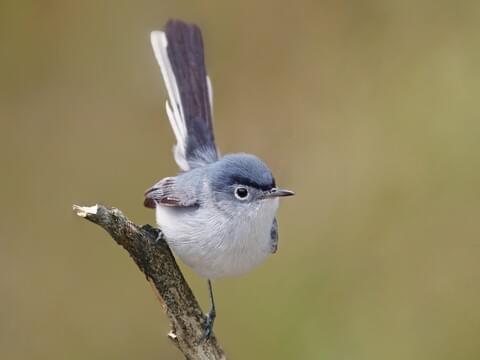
(160,236)
(208,326)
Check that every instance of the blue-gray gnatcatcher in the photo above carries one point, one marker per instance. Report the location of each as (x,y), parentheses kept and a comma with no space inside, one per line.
(218,214)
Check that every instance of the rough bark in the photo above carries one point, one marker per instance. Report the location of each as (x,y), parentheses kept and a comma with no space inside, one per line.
(154,258)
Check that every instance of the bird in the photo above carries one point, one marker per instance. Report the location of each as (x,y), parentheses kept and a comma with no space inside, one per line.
(218,213)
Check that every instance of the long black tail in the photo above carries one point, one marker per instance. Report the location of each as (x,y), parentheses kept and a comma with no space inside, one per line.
(186,55)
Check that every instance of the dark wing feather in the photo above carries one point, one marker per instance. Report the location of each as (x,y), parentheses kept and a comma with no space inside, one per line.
(274,237)
(166,193)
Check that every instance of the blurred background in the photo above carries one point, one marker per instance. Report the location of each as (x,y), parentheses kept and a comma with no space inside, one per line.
(368,110)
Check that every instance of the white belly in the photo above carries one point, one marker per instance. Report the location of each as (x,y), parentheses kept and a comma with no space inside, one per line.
(216,245)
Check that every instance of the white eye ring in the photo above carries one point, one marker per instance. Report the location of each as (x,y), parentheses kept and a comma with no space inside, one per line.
(241,193)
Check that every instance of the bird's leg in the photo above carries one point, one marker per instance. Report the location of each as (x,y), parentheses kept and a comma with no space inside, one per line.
(210,317)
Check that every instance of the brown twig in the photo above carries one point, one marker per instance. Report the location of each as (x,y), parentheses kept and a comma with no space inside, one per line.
(154,258)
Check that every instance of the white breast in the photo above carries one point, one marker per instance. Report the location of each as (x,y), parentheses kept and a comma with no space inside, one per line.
(215,244)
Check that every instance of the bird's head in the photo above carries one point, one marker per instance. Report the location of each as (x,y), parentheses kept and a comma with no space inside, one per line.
(243,179)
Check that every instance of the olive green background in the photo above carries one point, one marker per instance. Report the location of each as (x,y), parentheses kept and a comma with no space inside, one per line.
(367,109)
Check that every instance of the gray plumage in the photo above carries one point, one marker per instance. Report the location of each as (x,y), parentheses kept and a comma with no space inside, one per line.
(218,215)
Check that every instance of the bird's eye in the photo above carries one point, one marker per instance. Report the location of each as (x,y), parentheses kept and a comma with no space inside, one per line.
(241,193)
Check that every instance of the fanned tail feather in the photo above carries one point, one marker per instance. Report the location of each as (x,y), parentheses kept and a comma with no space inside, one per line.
(179,52)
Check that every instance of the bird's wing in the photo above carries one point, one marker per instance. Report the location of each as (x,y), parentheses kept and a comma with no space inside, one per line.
(274,237)
(179,52)
(166,193)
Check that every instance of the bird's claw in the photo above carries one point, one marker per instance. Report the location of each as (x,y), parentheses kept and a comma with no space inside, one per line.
(160,236)
(207,327)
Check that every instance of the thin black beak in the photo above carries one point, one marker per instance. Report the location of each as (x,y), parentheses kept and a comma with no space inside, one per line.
(275,192)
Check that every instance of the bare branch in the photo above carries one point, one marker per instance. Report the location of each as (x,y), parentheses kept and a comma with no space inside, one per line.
(154,258)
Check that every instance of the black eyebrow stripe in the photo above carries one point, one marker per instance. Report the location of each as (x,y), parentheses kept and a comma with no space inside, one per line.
(246,181)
